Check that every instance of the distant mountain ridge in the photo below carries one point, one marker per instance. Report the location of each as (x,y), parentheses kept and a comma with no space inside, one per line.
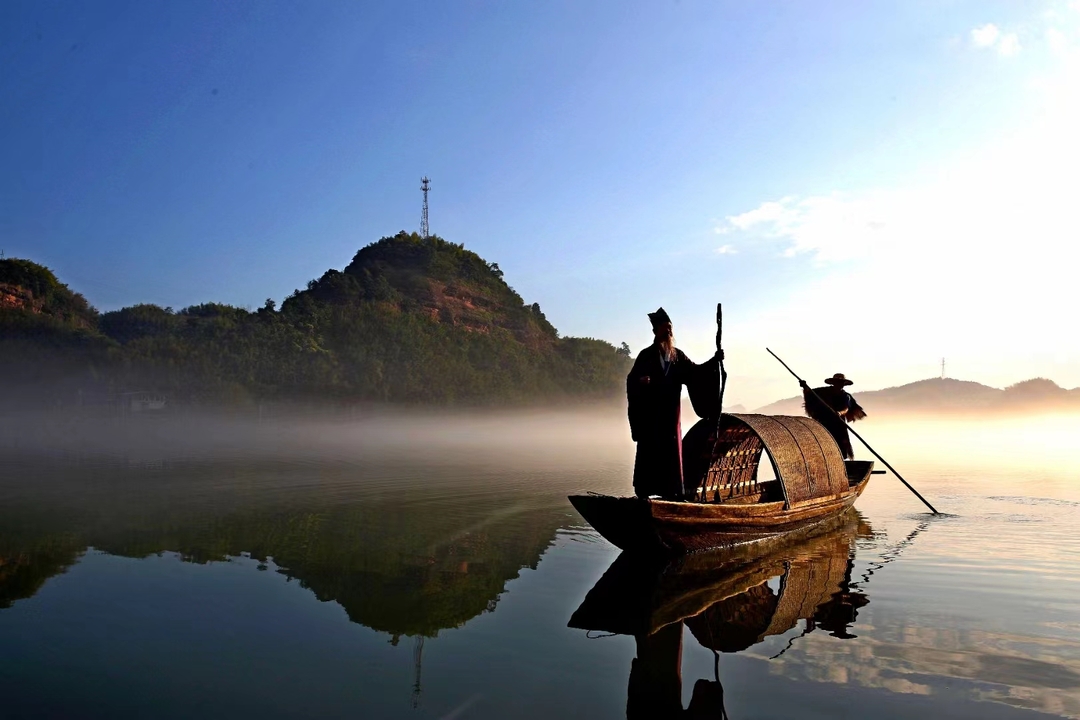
(950,395)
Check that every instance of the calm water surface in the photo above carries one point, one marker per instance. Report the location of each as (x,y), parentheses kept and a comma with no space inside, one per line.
(432,568)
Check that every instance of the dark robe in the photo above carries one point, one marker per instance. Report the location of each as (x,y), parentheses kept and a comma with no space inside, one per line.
(838,400)
(654,409)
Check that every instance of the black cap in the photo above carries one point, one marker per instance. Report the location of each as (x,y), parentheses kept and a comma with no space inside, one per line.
(659,317)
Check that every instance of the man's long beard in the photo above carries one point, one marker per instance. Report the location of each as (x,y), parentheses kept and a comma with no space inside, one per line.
(667,349)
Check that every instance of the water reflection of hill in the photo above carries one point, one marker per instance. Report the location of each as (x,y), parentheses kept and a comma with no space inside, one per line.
(405,568)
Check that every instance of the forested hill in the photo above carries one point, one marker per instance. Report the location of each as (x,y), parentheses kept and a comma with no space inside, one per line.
(410,319)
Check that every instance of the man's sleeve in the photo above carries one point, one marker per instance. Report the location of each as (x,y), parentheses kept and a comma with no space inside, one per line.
(855,411)
(703,385)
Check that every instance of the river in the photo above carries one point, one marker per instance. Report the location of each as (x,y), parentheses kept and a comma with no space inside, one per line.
(429,566)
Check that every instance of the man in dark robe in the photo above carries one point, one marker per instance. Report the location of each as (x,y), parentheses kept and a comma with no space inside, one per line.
(834,409)
(654,399)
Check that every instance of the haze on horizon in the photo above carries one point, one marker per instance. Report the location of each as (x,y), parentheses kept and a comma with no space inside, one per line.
(866,188)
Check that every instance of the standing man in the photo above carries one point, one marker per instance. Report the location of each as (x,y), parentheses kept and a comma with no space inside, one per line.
(654,399)
(839,408)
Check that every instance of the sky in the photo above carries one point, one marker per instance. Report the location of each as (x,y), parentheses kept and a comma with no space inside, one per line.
(866,187)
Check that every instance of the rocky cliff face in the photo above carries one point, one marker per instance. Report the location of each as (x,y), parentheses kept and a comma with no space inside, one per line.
(13,297)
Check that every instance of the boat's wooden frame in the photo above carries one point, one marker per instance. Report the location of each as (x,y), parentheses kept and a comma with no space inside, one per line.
(808,479)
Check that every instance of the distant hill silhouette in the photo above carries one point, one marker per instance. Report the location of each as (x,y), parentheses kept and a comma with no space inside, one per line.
(410,319)
(953,396)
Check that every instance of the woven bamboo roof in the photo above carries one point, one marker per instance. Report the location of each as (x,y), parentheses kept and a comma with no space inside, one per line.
(804,455)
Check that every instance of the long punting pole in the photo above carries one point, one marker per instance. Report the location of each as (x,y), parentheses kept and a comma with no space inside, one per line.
(852,430)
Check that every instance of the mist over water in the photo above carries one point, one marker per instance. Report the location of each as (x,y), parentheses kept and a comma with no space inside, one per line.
(426,564)
(547,437)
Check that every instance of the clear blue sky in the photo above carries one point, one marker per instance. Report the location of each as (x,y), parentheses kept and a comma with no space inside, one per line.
(602,153)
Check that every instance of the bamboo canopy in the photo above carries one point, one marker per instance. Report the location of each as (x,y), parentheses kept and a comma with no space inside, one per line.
(804,457)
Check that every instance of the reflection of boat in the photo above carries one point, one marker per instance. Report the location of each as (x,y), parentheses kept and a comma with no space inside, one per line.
(635,597)
(727,601)
(732,504)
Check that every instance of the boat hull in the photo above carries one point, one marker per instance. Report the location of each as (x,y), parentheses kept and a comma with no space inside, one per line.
(666,527)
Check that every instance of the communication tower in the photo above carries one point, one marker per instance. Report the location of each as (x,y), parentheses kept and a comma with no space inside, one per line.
(425,185)
(942,368)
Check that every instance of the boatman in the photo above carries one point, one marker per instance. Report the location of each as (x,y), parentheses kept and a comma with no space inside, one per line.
(834,410)
(654,400)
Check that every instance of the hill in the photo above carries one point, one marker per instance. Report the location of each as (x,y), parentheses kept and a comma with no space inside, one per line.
(34,289)
(48,335)
(952,396)
(410,319)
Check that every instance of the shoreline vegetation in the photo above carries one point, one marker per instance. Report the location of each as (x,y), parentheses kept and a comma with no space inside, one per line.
(411,320)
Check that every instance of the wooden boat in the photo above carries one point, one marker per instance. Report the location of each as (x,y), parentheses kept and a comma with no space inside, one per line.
(735,503)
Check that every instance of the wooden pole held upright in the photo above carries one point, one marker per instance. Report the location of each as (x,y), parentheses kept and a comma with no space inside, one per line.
(723,373)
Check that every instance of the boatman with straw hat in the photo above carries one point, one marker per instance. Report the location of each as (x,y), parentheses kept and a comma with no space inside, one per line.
(834,410)
(654,402)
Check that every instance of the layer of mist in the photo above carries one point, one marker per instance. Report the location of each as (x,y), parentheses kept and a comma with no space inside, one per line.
(540,437)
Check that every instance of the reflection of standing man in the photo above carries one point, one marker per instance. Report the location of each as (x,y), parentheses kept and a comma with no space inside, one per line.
(833,407)
(655,688)
(654,397)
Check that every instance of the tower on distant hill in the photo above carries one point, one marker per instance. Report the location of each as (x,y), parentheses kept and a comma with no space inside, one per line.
(942,368)
(425,185)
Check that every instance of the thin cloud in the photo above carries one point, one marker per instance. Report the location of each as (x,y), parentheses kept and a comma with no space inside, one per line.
(766,212)
(990,36)
(830,227)
(1008,45)
(985,36)
(726,250)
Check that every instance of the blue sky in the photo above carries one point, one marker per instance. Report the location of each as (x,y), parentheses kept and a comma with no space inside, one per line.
(610,156)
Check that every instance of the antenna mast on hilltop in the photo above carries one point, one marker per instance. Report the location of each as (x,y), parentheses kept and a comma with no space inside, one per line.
(425,185)
(942,368)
